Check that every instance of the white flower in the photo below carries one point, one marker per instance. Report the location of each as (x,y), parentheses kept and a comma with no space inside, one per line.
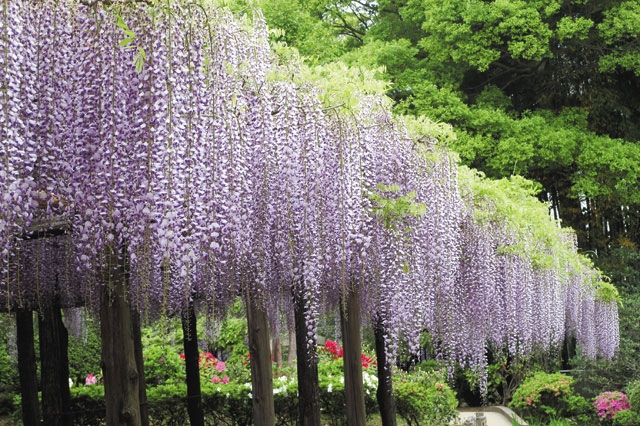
(329,388)
(369,380)
(280,389)
(250,395)
(219,389)
(70,382)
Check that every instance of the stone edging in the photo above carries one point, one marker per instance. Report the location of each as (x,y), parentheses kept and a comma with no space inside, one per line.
(507,412)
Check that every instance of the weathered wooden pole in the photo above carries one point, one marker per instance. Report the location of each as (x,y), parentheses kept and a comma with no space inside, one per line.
(54,343)
(191,356)
(27,367)
(54,365)
(261,374)
(291,350)
(352,345)
(119,366)
(384,393)
(308,384)
(276,344)
(142,385)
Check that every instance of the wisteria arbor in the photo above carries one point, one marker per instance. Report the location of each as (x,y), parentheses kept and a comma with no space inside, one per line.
(188,167)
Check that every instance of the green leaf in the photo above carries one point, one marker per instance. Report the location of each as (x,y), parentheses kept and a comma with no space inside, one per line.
(121,23)
(139,59)
(125,42)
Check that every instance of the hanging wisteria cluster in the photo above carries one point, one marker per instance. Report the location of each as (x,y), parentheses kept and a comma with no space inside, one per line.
(169,134)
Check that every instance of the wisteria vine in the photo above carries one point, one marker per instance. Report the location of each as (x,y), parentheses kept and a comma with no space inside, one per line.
(169,132)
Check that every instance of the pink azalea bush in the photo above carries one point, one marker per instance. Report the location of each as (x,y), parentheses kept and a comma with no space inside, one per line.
(90,380)
(609,403)
(208,365)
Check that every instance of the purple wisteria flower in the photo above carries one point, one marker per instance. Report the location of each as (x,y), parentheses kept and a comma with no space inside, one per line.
(188,150)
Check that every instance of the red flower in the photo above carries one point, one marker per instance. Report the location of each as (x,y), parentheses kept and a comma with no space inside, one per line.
(367,361)
(207,360)
(333,348)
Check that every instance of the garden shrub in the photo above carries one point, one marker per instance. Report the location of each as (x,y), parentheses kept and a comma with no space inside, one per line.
(9,383)
(223,404)
(633,394)
(331,383)
(609,403)
(626,418)
(544,396)
(84,353)
(424,398)
(87,405)
(162,364)
(227,401)
(226,339)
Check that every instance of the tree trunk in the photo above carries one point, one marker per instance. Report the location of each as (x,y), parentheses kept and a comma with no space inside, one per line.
(568,351)
(191,355)
(119,366)
(308,383)
(261,374)
(142,385)
(353,387)
(291,350)
(54,366)
(27,367)
(277,351)
(384,394)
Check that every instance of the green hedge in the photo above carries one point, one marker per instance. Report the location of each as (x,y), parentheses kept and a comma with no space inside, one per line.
(225,404)
(422,398)
(546,396)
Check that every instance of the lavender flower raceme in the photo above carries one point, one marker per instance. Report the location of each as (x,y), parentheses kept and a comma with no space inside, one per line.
(189,149)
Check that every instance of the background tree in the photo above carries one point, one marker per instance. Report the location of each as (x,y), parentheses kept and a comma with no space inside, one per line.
(541,89)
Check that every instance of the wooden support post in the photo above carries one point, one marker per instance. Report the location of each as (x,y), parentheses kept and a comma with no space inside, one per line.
(191,357)
(142,385)
(308,384)
(27,367)
(119,367)
(54,366)
(384,394)
(291,350)
(352,345)
(261,374)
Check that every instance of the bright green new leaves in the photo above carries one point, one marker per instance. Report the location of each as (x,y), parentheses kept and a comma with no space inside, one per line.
(479,33)
(393,209)
(396,55)
(512,204)
(509,201)
(127,43)
(573,27)
(610,168)
(607,292)
(343,86)
(419,128)
(297,26)
(129,35)
(620,30)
